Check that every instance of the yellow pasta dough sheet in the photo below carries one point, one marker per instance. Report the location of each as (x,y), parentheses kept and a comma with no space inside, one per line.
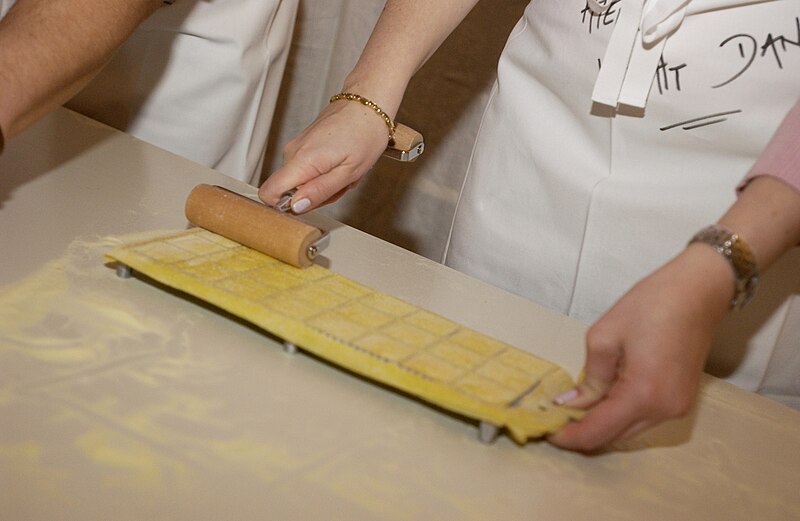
(365,331)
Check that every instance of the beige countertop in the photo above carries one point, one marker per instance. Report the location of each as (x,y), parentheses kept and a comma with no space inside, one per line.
(120,400)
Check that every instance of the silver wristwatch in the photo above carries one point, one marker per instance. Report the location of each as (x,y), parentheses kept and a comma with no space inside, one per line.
(731,246)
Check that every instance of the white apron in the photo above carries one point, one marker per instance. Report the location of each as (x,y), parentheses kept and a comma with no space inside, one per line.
(199,78)
(569,204)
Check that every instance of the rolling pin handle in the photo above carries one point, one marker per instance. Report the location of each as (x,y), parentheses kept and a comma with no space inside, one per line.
(407,145)
(124,271)
(318,245)
(487,432)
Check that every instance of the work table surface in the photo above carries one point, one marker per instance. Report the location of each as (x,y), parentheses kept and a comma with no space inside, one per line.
(120,400)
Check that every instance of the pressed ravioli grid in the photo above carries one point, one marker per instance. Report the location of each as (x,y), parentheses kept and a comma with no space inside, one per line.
(363,330)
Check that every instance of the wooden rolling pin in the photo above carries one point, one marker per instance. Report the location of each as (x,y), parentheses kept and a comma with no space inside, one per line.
(253,224)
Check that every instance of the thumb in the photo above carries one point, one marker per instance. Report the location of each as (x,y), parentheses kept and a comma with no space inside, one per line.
(292,174)
(323,189)
(604,356)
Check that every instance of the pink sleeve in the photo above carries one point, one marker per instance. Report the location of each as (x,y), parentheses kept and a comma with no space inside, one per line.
(781,158)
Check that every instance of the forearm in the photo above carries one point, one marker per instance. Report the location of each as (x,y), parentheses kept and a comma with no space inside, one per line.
(50,49)
(767,211)
(767,215)
(407,33)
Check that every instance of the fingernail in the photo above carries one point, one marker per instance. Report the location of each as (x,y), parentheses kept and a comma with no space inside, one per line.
(301,205)
(566,396)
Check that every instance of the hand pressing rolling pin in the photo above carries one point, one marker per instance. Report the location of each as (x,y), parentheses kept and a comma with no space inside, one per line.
(330,156)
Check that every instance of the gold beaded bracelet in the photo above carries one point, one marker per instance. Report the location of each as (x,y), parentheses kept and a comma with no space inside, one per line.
(732,246)
(349,96)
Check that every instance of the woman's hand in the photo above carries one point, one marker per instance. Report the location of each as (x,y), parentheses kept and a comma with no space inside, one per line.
(646,354)
(329,157)
(332,154)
